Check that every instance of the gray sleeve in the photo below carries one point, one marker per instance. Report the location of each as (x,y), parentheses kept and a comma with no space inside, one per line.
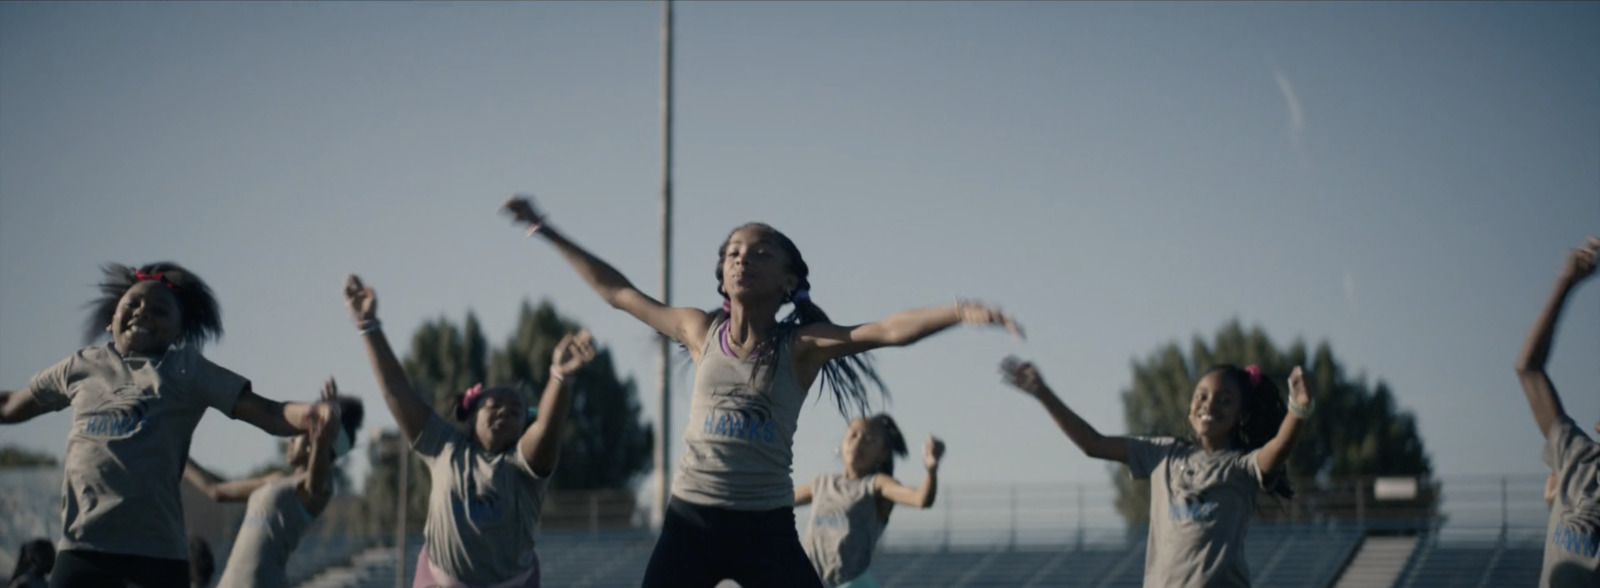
(218,387)
(1145,453)
(48,388)
(521,462)
(1251,463)
(1565,445)
(436,438)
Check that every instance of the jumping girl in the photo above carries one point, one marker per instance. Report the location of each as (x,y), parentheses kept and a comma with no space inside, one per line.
(1202,490)
(282,505)
(1572,544)
(849,511)
(488,486)
(135,403)
(732,510)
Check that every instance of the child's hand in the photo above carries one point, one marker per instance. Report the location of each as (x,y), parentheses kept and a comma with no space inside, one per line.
(1581,261)
(932,451)
(1299,390)
(974,313)
(1022,374)
(324,422)
(574,350)
(521,209)
(360,300)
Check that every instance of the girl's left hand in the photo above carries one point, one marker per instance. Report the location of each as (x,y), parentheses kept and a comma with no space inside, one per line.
(932,451)
(572,353)
(974,313)
(325,418)
(1299,390)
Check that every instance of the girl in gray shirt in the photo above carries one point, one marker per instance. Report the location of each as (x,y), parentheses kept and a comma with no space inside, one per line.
(1572,543)
(135,403)
(732,510)
(850,510)
(280,506)
(1202,490)
(489,484)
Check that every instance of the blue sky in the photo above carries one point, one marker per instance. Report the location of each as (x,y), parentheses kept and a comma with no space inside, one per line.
(1400,180)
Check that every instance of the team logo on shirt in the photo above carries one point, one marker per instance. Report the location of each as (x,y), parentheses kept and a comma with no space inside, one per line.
(120,413)
(739,413)
(1577,531)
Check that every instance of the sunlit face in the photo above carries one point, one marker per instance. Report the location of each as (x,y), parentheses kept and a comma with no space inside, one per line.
(498,421)
(755,266)
(147,320)
(864,446)
(1214,409)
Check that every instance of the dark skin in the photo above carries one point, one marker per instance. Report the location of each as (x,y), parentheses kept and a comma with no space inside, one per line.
(757,280)
(498,416)
(1541,392)
(1213,413)
(310,455)
(148,320)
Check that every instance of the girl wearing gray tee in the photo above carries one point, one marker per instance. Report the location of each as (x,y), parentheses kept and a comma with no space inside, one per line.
(135,403)
(850,510)
(732,510)
(1202,491)
(1572,543)
(489,484)
(280,506)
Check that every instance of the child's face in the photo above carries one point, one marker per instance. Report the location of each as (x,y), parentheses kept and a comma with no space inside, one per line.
(754,264)
(864,446)
(499,419)
(1214,409)
(147,320)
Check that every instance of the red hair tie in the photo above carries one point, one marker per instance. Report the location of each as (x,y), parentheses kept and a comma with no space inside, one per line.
(1255,375)
(140,276)
(470,395)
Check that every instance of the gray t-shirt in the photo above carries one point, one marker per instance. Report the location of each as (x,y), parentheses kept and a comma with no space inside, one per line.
(483,508)
(274,521)
(739,450)
(1572,545)
(132,420)
(1200,507)
(843,528)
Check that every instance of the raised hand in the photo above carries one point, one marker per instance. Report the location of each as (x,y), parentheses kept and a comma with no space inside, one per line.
(1022,375)
(521,209)
(976,313)
(574,350)
(1299,390)
(324,425)
(932,451)
(360,301)
(1580,262)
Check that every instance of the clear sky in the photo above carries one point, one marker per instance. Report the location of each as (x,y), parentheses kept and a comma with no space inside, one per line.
(1401,180)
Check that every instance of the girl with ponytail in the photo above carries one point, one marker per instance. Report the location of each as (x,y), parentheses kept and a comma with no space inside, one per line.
(1202,489)
(732,510)
(849,511)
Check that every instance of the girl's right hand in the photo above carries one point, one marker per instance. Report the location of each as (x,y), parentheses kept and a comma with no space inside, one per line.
(360,301)
(1581,261)
(932,451)
(521,209)
(1022,375)
(975,313)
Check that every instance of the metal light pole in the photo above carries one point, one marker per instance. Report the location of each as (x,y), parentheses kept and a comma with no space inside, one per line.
(663,364)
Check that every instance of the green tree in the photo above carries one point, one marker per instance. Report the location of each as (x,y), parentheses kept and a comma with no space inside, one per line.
(604,444)
(1356,429)
(17,457)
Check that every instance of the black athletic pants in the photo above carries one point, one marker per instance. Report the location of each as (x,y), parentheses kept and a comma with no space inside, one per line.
(702,545)
(94,569)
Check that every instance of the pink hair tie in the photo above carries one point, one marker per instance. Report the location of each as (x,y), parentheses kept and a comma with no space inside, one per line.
(470,395)
(726,305)
(140,276)
(1255,374)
